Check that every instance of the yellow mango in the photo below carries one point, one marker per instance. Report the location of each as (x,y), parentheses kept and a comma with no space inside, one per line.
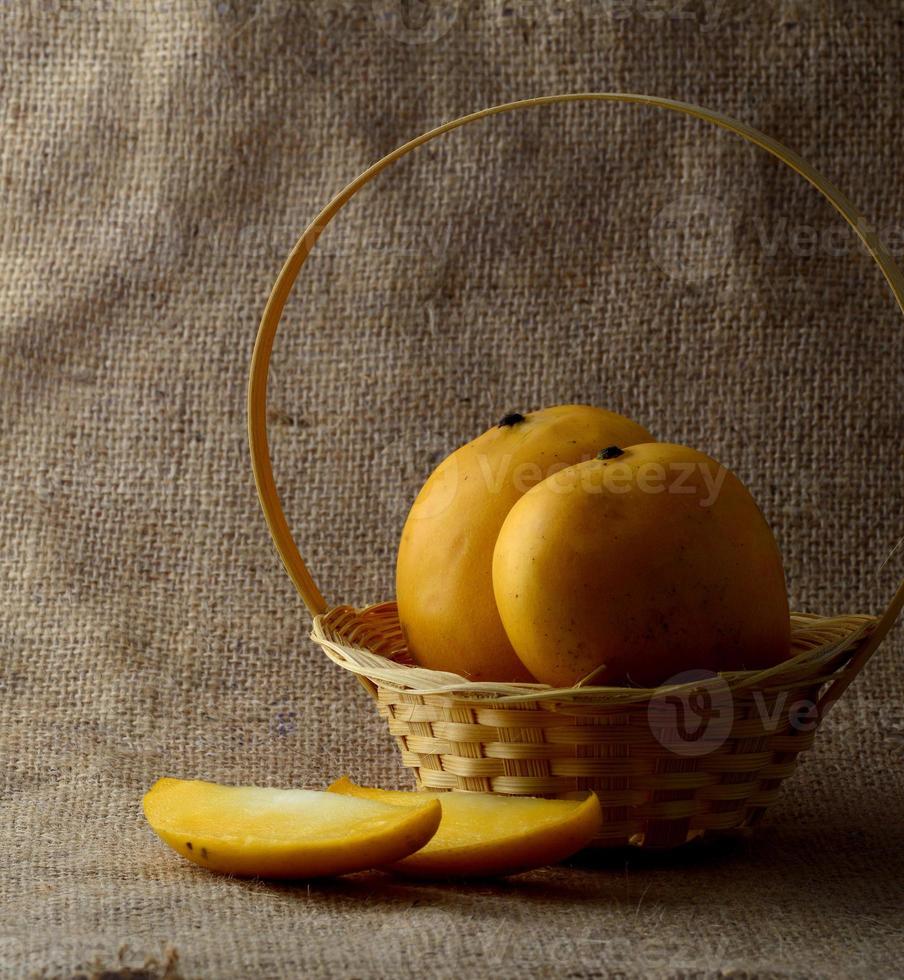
(638,566)
(444,579)
(484,835)
(283,833)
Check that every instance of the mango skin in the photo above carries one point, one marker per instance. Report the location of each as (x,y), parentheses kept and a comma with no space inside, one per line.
(444,578)
(595,572)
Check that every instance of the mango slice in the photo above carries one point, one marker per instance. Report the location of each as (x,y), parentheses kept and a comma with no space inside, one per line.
(256,831)
(482,835)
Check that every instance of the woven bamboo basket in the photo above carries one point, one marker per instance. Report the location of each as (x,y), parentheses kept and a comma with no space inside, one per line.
(670,764)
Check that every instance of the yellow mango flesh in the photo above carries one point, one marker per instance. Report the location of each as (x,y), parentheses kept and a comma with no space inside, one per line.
(444,576)
(278,833)
(484,835)
(609,570)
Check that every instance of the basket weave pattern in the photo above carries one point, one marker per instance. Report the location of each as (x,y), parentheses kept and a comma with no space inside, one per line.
(621,743)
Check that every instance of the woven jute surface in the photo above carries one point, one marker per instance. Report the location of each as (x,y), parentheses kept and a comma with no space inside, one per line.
(158,162)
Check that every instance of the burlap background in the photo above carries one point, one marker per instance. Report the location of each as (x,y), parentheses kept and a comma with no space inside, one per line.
(158,162)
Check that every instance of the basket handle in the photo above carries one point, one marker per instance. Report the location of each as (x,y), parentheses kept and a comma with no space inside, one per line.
(260,359)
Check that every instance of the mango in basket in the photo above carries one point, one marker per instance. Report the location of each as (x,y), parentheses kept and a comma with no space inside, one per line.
(444,579)
(284,833)
(482,835)
(640,564)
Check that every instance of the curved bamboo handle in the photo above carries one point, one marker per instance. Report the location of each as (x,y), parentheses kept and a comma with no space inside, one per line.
(260,360)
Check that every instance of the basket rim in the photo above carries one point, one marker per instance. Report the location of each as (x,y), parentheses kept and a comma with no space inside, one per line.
(823,642)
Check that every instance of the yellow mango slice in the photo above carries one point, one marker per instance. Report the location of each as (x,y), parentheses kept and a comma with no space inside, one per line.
(257,831)
(483,835)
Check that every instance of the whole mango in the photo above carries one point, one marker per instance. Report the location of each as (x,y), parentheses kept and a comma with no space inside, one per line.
(639,565)
(444,573)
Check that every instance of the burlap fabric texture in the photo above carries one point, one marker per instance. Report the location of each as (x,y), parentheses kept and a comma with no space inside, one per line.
(158,161)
